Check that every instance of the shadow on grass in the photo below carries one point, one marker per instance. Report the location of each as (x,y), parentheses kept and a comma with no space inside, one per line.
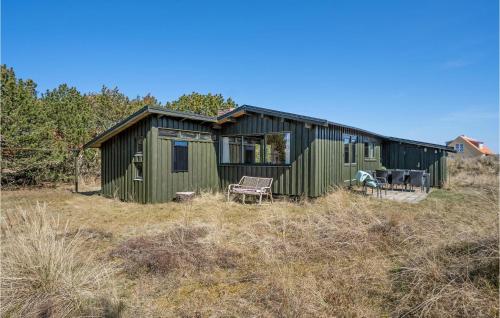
(89,193)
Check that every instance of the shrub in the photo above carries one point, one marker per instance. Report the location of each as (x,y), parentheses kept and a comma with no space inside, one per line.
(179,248)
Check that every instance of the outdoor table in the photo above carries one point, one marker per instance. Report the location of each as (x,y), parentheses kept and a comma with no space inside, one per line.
(426,178)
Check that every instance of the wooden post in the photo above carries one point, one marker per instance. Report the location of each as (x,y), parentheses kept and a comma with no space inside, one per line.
(77,168)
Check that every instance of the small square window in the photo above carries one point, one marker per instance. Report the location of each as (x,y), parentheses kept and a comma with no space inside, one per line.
(168,133)
(138,171)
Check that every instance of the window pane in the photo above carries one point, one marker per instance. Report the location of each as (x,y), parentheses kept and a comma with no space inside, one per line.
(278,148)
(138,170)
(353,154)
(369,150)
(168,133)
(180,156)
(231,150)
(204,136)
(346,149)
(188,135)
(252,147)
(225,150)
(138,145)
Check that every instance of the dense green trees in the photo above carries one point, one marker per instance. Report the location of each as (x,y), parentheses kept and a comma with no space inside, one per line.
(39,133)
(202,104)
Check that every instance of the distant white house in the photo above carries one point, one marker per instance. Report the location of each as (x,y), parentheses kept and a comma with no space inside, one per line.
(467,147)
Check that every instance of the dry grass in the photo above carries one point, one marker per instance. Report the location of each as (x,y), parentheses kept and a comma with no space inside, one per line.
(45,274)
(339,255)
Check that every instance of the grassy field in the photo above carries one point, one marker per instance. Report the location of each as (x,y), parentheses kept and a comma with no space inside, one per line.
(340,255)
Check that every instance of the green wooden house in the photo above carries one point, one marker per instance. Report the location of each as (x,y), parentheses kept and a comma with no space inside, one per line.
(156,152)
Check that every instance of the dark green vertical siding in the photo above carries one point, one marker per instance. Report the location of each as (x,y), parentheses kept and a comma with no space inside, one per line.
(316,159)
(406,156)
(118,171)
(293,179)
(202,161)
(329,157)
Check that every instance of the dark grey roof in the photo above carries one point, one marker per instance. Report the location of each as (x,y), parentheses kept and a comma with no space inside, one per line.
(147,110)
(420,143)
(271,112)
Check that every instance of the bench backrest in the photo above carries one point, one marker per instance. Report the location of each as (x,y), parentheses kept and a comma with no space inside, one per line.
(416,177)
(398,177)
(255,182)
(250,182)
(264,182)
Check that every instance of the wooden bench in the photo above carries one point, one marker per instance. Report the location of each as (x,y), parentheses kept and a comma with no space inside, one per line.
(255,186)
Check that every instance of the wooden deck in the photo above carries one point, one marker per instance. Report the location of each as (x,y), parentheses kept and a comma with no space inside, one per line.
(414,196)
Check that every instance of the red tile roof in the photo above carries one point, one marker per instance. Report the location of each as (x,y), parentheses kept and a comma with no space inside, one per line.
(475,143)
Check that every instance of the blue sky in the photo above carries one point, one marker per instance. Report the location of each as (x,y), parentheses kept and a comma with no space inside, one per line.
(425,70)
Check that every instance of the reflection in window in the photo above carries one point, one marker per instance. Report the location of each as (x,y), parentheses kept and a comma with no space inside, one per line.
(180,156)
(168,133)
(231,149)
(369,150)
(346,149)
(278,148)
(188,135)
(138,170)
(353,154)
(204,136)
(139,145)
(252,149)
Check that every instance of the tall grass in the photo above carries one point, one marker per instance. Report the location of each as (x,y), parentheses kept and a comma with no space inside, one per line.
(339,255)
(46,273)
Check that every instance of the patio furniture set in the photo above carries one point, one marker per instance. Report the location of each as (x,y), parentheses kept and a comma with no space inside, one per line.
(395,179)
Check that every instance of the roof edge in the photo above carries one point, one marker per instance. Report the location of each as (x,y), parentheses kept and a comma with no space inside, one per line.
(140,114)
(148,110)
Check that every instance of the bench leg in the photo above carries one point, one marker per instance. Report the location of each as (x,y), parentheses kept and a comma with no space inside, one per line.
(228,195)
(260,199)
(243,198)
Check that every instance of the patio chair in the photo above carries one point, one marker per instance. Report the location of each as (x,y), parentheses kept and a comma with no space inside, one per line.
(382,177)
(417,179)
(368,181)
(398,178)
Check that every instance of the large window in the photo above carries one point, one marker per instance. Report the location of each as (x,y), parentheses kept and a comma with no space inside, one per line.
(180,156)
(459,147)
(369,150)
(270,149)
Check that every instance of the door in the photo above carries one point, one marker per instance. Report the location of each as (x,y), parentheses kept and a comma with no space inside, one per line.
(349,158)
(413,158)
